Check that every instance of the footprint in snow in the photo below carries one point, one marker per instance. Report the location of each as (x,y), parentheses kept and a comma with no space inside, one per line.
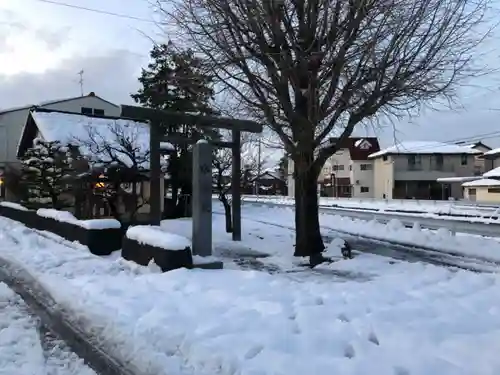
(253,352)
(372,337)
(398,370)
(349,351)
(343,318)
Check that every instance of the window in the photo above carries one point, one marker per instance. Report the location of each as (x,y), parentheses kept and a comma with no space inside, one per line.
(494,190)
(350,167)
(414,162)
(365,189)
(366,167)
(464,159)
(338,167)
(92,111)
(472,191)
(438,162)
(384,158)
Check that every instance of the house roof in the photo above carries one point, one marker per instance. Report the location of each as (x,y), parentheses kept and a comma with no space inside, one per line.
(492,153)
(425,147)
(359,148)
(78,129)
(56,101)
(268,175)
(492,173)
(482,182)
(473,145)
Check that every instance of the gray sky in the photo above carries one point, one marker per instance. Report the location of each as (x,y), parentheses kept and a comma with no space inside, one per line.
(43,46)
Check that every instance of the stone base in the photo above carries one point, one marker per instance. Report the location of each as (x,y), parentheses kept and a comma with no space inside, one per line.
(167,260)
(208,264)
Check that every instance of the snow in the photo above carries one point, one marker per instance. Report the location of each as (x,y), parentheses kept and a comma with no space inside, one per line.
(495,151)
(441,240)
(13,205)
(67,217)
(492,173)
(482,182)
(412,207)
(458,179)
(404,318)
(427,147)
(155,236)
(166,146)
(25,349)
(202,141)
(77,129)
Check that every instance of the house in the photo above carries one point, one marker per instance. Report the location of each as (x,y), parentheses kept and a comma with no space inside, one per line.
(269,183)
(491,159)
(411,169)
(486,189)
(347,173)
(481,164)
(13,120)
(97,139)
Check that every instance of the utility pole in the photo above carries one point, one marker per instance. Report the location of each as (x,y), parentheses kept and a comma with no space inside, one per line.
(258,167)
(80,81)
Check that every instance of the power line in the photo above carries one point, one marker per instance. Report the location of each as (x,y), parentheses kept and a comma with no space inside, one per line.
(52,2)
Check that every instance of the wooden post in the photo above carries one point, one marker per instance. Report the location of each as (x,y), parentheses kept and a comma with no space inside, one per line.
(236,184)
(155,194)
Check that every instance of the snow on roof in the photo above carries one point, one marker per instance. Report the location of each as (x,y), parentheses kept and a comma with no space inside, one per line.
(482,182)
(425,147)
(53,101)
(78,129)
(493,173)
(495,151)
(458,179)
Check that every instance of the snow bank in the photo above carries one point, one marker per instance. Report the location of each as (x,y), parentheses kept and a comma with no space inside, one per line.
(13,205)
(100,224)
(68,217)
(394,231)
(410,318)
(155,236)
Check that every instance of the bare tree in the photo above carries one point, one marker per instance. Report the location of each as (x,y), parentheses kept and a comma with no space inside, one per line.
(312,67)
(222,164)
(119,152)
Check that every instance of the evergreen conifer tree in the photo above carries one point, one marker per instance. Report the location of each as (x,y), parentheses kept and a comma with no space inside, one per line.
(46,168)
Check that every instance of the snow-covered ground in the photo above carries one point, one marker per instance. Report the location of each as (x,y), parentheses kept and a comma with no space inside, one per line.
(389,317)
(411,206)
(26,348)
(394,231)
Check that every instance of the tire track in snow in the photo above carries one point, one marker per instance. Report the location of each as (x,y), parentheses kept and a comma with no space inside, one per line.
(25,346)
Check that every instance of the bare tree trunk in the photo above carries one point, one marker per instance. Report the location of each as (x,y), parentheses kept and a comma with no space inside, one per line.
(227,213)
(308,240)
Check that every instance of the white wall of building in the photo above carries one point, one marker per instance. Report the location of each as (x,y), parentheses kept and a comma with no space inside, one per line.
(362,179)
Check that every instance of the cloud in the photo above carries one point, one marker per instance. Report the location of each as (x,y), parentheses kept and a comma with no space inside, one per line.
(112,76)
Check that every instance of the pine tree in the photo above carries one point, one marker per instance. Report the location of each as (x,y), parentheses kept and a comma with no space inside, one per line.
(174,80)
(46,168)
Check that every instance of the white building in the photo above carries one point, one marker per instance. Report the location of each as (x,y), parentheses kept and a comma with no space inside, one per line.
(411,169)
(13,120)
(347,173)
